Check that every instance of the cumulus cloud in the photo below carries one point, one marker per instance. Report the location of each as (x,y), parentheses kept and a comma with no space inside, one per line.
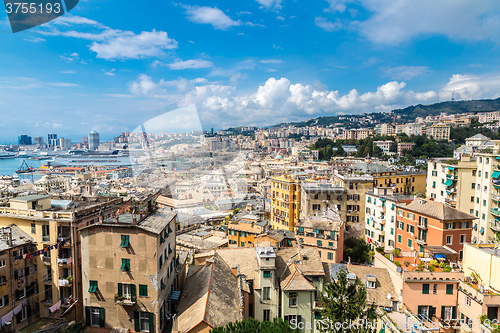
(210,15)
(112,44)
(326,25)
(270,4)
(393,22)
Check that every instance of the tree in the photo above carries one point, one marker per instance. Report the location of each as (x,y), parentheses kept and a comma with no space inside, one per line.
(345,302)
(251,325)
(357,250)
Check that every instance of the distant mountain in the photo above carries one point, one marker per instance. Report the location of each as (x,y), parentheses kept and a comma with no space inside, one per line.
(408,114)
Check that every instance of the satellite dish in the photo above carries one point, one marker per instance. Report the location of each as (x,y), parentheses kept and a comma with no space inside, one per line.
(389,296)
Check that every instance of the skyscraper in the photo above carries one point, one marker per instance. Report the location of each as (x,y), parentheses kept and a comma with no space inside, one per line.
(24,139)
(93,140)
(52,140)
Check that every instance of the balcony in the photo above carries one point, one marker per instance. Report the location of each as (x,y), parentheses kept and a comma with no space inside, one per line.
(65,282)
(46,260)
(64,261)
(47,300)
(495,198)
(46,238)
(495,226)
(47,279)
(495,212)
(421,241)
(125,301)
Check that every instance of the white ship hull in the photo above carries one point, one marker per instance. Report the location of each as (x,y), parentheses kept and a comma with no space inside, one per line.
(92,160)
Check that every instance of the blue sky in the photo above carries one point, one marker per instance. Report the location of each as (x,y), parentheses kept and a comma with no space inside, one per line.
(111,65)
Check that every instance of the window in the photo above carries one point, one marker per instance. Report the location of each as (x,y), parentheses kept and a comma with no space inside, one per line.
(125,265)
(93,286)
(267,274)
(292,299)
(472,199)
(434,184)
(144,321)
(143,290)
(3,263)
(330,256)
(449,289)
(435,289)
(318,242)
(94,316)
(330,244)
(473,186)
(33,228)
(400,239)
(266,315)
(316,207)
(425,288)
(266,293)
(370,284)
(125,241)
(468,301)
(462,239)
(410,243)
(448,312)
(484,203)
(449,240)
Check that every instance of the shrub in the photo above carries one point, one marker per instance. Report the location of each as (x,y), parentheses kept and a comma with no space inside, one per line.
(380,249)
(397,263)
(396,252)
(387,256)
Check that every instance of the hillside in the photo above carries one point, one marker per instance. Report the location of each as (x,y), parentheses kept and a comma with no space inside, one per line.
(408,114)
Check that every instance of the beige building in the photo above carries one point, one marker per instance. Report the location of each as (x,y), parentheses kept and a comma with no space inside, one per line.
(129,272)
(450,182)
(385,145)
(479,291)
(18,287)
(438,132)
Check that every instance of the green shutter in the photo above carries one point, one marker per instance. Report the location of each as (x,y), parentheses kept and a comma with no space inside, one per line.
(87,316)
(132,290)
(449,289)
(101,317)
(169,249)
(453,312)
(419,309)
(120,290)
(151,322)
(169,230)
(425,288)
(442,312)
(137,324)
(125,241)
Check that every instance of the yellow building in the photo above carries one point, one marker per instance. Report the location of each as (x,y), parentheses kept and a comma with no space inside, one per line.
(438,132)
(242,232)
(285,201)
(405,183)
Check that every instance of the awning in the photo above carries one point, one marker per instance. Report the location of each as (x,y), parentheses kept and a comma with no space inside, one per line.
(498,157)
(448,182)
(481,231)
(451,168)
(174,296)
(382,199)
(448,192)
(475,227)
(495,174)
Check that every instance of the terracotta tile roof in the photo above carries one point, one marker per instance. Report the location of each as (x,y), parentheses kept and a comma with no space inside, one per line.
(293,280)
(437,210)
(211,295)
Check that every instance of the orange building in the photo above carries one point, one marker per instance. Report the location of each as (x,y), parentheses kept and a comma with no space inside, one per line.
(242,232)
(426,222)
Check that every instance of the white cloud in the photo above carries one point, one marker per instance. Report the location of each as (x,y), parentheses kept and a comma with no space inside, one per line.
(339,6)
(35,39)
(326,25)
(112,44)
(110,73)
(398,21)
(468,86)
(405,72)
(270,4)
(210,15)
(190,64)
(270,61)
(146,44)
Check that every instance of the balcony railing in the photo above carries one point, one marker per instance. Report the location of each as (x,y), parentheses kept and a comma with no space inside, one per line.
(126,301)
(46,260)
(495,212)
(495,226)
(46,238)
(64,283)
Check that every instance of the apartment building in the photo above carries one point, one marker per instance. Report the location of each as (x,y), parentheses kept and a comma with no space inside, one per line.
(479,291)
(385,145)
(356,186)
(403,182)
(380,216)
(285,201)
(450,182)
(325,232)
(19,305)
(402,146)
(129,267)
(53,226)
(438,132)
(486,189)
(242,232)
(429,223)
(286,283)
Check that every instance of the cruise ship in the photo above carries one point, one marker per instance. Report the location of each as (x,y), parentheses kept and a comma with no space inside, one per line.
(90,158)
(6,154)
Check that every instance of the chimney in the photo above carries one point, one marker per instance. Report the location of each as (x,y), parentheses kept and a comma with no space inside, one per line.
(134,220)
(234,270)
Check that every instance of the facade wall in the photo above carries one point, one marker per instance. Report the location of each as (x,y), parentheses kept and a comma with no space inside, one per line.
(285,202)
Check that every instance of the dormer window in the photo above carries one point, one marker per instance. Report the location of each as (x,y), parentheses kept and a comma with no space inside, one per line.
(370,284)
(370,281)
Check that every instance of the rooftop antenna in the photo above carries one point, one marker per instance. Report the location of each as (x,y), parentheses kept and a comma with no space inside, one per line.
(453,96)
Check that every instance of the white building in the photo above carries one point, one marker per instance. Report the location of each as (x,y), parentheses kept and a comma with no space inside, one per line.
(93,140)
